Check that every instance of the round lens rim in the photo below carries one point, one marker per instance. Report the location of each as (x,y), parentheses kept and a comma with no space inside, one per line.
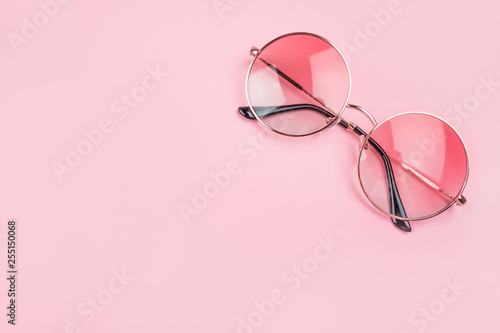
(430,215)
(328,125)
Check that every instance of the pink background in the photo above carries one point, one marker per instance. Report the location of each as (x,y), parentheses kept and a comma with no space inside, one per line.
(119,209)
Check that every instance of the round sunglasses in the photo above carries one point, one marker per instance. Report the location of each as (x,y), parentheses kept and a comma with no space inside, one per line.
(411,166)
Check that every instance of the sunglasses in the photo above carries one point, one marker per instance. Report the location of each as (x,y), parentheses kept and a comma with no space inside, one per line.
(411,166)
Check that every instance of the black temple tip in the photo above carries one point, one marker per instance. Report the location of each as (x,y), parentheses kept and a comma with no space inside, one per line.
(401,224)
(245,112)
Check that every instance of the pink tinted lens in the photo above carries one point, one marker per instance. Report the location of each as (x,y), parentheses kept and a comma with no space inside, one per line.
(429,161)
(298,69)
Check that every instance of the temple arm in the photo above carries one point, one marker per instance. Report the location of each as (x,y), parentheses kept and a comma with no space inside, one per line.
(397,208)
(266,111)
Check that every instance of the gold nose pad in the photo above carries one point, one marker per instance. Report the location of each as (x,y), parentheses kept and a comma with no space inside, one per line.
(361,141)
(329,120)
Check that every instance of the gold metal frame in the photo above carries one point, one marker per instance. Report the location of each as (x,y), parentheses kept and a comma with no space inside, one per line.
(254,52)
(458,199)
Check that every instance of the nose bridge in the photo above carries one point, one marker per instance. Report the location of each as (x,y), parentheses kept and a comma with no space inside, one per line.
(364,112)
